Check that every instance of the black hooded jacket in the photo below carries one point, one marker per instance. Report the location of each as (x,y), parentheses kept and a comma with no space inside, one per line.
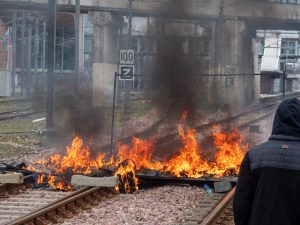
(268,188)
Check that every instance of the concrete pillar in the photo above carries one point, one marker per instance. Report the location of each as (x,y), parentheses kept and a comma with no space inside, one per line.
(80,66)
(237,44)
(256,71)
(81,44)
(29,58)
(105,56)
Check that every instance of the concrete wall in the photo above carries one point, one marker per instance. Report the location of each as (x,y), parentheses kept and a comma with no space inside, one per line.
(235,56)
(261,10)
(3,47)
(200,8)
(5,83)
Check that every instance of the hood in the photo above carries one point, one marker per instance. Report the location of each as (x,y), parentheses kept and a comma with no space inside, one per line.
(287,118)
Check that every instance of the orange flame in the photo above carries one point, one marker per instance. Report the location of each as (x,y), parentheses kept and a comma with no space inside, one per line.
(40,178)
(187,162)
(140,153)
(78,159)
(231,150)
(127,176)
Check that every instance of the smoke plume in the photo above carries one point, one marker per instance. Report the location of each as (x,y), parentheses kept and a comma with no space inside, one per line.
(172,79)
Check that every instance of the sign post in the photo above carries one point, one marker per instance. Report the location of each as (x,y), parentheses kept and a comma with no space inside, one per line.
(126,69)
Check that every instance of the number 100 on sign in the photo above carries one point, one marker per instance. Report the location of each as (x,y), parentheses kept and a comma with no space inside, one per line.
(127,56)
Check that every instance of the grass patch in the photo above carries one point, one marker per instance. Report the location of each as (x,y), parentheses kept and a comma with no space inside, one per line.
(17,138)
(8,150)
(5,107)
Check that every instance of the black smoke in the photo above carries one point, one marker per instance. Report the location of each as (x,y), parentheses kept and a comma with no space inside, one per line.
(173,82)
(82,118)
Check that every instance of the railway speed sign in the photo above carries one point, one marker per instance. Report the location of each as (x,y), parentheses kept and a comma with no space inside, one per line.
(126,72)
(127,56)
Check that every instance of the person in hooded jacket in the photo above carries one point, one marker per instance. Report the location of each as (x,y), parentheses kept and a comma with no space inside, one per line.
(268,187)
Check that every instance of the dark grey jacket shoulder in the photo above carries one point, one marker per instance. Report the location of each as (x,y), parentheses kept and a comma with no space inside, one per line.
(279,152)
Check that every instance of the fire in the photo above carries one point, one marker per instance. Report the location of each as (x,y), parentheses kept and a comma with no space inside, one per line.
(140,153)
(40,178)
(127,176)
(231,149)
(78,160)
(188,161)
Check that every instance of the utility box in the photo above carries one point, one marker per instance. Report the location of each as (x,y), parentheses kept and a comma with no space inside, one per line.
(5,83)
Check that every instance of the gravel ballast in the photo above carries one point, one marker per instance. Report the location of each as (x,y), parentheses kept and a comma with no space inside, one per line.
(162,205)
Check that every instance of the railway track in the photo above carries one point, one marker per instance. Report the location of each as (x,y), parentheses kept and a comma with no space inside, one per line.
(17,113)
(24,202)
(14,100)
(26,206)
(211,209)
(222,212)
(40,207)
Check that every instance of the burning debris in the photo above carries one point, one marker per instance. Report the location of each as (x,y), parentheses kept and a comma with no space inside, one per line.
(188,161)
(127,176)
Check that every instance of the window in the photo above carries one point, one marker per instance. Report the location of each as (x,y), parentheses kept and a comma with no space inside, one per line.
(288,47)
(88,43)
(260,47)
(286,1)
(142,44)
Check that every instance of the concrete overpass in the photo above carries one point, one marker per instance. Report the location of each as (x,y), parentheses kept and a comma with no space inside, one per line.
(253,10)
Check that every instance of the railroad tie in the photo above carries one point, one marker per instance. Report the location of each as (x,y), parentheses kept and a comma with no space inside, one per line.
(65,213)
(29,223)
(73,208)
(82,204)
(41,221)
(90,200)
(54,218)
(97,195)
(103,193)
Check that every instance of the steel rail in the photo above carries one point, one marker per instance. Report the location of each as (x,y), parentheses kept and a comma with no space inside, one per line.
(81,199)
(13,111)
(218,211)
(30,112)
